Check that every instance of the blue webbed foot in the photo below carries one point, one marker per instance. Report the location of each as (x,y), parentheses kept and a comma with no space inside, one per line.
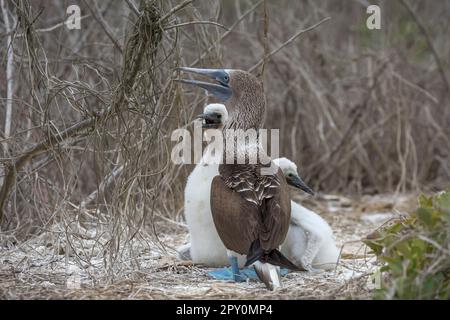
(237,276)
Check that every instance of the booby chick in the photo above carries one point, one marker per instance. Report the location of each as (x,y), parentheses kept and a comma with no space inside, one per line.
(205,246)
(310,241)
(251,210)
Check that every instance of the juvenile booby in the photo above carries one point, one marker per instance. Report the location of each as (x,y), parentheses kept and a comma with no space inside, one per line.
(251,211)
(205,245)
(309,242)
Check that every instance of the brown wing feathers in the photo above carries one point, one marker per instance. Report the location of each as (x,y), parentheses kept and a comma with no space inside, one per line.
(251,213)
(237,231)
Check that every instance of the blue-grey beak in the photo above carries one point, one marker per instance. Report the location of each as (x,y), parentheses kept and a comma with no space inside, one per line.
(220,89)
(297,182)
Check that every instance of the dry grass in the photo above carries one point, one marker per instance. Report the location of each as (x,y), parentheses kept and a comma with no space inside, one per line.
(43,267)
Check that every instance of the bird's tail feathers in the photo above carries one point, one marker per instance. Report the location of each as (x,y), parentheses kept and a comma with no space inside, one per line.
(274,257)
(268,274)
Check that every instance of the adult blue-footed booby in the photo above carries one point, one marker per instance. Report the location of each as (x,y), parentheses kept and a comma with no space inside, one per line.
(309,242)
(251,211)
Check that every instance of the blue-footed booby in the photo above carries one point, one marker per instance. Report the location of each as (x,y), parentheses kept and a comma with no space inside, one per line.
(251,210)
(309,242)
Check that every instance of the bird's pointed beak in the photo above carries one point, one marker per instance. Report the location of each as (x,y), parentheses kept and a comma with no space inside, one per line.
(212,120)
(211,73)
(220,89)
(297,182)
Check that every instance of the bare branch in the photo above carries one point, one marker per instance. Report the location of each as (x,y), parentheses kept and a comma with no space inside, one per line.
(101,188)
(196,22)
(176,9)
(44,30)
(133,7)
(429,43)
(289,41)
(223,36)
(9,75)
(133,60)
(98,16)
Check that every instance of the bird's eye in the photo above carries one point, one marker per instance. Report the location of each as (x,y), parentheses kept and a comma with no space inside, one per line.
(226,78)
(219,116)
(290,174)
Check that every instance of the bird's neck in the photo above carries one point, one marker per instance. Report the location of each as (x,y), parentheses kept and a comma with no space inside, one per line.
(247,115)
(248,112)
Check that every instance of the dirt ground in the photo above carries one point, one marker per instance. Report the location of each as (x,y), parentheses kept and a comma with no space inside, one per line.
(56,266)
